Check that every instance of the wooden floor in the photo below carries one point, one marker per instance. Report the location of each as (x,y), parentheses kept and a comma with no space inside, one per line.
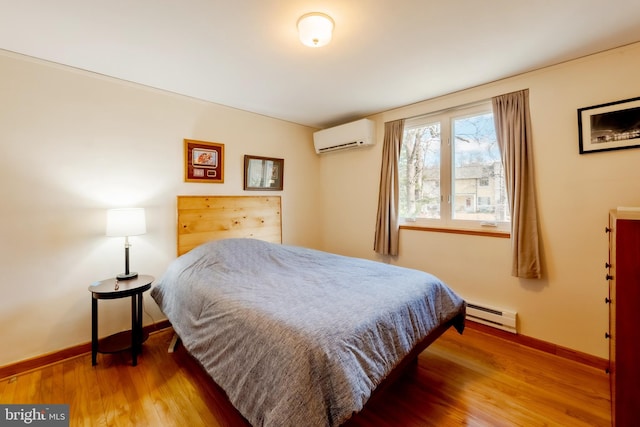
(474,379)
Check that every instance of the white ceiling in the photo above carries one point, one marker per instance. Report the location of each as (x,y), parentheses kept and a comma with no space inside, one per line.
(245,53)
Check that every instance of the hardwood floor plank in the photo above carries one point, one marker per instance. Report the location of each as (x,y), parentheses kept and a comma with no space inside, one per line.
(57,386)
(187,407)
(8,389)
(27,387)
(86,408)
(4,385)
(116,406)
(145,383)
(95,414)
(45,388)
(471,380)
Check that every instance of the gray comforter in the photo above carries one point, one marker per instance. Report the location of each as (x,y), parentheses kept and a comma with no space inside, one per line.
(298,337)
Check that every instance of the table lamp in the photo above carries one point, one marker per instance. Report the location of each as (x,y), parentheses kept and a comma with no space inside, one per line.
(124,223)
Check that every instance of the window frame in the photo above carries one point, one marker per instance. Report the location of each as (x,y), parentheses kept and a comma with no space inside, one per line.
(447,222)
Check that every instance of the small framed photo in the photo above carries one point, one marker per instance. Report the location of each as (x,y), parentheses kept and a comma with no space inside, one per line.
(203,161)
(263,173)
(611,126)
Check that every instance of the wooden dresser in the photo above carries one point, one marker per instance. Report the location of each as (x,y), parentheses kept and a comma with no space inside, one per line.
(624,316)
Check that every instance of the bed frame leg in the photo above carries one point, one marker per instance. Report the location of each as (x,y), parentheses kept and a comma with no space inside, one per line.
(175,341)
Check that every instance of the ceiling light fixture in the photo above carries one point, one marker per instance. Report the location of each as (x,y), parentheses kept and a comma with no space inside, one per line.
(315,29)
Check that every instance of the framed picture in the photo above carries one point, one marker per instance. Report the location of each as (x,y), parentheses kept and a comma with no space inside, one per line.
(203,161)
(263,173)
(611,126)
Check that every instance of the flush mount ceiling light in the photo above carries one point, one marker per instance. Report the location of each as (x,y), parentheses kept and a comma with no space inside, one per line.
(315,29)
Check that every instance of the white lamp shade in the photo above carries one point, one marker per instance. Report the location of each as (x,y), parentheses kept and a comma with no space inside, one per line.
(126,222)
(315,29)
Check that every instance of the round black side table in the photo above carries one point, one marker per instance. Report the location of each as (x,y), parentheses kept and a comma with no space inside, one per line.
(131,339)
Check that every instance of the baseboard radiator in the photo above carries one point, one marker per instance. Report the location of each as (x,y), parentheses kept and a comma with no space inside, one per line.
(491,316)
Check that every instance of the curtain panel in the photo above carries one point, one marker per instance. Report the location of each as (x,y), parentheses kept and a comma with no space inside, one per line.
(513,131)
(387,221)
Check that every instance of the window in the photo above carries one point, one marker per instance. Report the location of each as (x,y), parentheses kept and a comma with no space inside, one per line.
(484,201)
(451,173)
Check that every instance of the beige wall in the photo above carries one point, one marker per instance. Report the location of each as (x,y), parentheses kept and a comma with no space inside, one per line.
(75,144)
(574,191)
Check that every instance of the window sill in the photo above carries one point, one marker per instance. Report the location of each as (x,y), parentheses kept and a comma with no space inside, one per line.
(468,231)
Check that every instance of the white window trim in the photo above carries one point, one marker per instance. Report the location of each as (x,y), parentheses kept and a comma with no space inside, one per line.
(446,220)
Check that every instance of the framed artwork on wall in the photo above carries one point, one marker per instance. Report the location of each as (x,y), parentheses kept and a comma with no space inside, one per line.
(263,173)
(203,161)
(611,126)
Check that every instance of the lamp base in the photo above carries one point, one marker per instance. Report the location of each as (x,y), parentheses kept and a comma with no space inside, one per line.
(127,276)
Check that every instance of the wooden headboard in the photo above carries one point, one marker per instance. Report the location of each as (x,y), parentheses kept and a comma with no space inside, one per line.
(205,218)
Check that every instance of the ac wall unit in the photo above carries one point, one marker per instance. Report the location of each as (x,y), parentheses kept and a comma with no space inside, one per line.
(360,133)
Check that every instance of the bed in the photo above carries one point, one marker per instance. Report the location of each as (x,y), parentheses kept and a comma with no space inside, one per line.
(294,336)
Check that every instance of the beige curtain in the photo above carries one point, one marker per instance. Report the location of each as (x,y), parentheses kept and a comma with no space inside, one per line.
(387,228)
(513,129)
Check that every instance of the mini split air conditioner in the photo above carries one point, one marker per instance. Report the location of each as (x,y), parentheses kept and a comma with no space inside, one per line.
(360,133)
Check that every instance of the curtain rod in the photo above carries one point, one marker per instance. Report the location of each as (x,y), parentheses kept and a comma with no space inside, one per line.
(445,110)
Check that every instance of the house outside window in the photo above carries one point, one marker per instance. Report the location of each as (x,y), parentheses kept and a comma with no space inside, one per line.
(451,174)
